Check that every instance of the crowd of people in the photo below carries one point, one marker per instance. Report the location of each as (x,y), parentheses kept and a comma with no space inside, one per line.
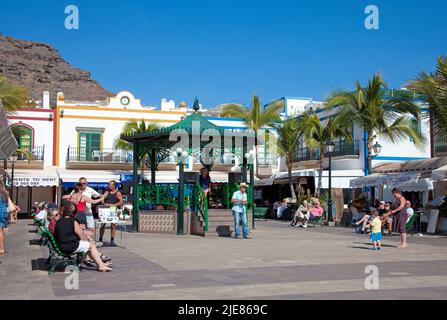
(72,223)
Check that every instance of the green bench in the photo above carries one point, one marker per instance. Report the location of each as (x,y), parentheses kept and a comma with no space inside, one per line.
(56,257)
(410,226)
(261,213)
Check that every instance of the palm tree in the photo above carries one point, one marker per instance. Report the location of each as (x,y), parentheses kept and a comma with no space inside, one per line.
(130,128)
(432,89)
(255,118)
(288,134)
(390,118)
(12,95)
(317,134)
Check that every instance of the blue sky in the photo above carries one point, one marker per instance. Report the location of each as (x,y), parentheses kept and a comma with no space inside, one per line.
(226,50)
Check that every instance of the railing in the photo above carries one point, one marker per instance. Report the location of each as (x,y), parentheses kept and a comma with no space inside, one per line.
(341,149)
(440,149)
(38,153)
(201,204)
(99,155)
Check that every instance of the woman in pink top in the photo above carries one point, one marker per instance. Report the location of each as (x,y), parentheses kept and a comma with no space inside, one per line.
(316,210)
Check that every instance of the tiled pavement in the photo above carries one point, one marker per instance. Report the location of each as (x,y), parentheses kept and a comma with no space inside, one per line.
(279,262)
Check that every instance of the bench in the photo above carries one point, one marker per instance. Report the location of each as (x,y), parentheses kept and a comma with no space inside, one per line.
(261,213)
(56,257)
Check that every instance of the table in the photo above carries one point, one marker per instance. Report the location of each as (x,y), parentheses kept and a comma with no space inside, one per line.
(120,225)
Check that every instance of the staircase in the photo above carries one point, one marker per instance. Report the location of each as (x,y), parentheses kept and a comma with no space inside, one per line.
(220,223)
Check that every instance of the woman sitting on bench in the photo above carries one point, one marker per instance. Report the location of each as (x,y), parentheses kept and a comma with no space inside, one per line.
(71,238)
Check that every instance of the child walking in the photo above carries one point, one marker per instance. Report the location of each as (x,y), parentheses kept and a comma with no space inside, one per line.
(376,230)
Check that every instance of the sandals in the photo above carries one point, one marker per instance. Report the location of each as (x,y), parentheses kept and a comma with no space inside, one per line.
(2,252)
(105,258)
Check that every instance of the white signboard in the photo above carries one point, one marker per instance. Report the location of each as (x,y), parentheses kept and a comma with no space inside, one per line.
(36,181)
(8,144)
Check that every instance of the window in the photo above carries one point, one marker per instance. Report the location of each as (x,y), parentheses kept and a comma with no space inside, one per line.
(24,137)
(89,144)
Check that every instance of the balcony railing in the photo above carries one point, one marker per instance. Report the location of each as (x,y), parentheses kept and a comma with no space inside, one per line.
(38,153)
(440,149)
(341,149)
(99,155)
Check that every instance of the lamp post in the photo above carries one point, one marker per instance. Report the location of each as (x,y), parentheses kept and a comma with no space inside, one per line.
(330,146)
(250,156)
(5,172)
(13,158)
(181,157)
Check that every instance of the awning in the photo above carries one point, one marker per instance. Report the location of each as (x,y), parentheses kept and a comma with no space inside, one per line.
(172,176)
(36,178)
(264,182)
(439,174)
(96,179)
(395,180)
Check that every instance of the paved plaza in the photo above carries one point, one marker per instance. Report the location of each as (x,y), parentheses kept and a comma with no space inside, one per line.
(279,262)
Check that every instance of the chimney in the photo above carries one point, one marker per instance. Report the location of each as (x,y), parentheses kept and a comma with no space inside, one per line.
(46,100)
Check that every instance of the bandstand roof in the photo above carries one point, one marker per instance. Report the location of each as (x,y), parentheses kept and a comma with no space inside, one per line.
(185,124)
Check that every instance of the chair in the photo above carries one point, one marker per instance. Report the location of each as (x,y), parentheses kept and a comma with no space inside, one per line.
(412,223)
(317,220)
(261,213)
(56,257)
(96,154)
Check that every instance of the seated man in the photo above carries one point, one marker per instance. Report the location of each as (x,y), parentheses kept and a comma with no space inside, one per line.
(71,238)
(387,221)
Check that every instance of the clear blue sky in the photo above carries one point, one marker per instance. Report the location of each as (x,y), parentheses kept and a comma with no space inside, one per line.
(225,50)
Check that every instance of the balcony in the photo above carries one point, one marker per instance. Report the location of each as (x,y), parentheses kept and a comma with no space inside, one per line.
(308,157)
(440,150)
(106,159)
(33,161)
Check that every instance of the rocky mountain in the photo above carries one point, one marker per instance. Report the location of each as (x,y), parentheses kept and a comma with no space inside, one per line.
(39,67)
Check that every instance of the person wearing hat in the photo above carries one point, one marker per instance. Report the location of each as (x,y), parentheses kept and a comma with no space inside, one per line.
(239,201)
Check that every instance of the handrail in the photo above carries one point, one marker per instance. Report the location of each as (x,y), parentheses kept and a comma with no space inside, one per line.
(202,205)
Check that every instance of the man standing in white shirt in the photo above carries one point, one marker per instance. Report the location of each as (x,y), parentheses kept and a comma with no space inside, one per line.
(88,192)
(239,201)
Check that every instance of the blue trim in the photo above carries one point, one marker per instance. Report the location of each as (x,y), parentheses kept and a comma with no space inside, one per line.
(97,185)
(223,119)
(399,158)
(365,152)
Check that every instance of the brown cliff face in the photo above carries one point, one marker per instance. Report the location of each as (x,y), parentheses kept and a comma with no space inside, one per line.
(39,67)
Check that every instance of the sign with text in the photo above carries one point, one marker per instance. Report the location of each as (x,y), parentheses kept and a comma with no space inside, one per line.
(8,144)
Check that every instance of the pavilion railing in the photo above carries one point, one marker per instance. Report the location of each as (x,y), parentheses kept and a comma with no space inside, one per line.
(201,204)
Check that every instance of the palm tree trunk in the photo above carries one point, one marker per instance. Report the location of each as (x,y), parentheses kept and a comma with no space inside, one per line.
(320,170)
(257,162)
(142,169)
(370,149)
(289,169)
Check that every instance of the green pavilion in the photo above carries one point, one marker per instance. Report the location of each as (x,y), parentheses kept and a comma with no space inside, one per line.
(188,211)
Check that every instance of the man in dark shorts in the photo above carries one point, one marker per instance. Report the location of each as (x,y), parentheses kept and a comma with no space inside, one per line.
(399,214)
(112,198)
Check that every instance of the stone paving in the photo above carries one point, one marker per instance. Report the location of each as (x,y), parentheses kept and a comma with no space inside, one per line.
(279,262)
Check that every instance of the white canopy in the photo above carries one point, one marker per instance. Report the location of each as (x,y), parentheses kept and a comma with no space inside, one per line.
(391,179)
(36,178)
(90,175)
(439,174)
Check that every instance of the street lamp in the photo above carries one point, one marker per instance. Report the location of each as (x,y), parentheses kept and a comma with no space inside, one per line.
(181,158)
(377,148)
(330,146)
(250,156)
(13,159)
